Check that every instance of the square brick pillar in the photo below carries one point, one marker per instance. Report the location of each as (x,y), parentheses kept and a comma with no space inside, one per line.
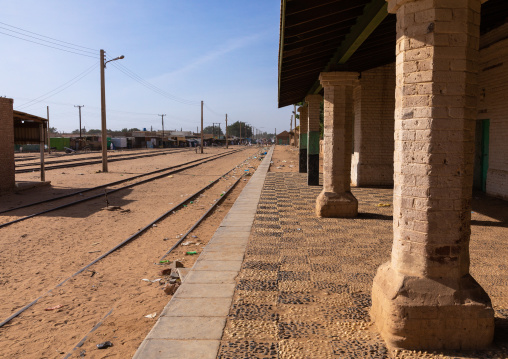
(336,199)
(314,134)
(304,119)
(7,179)
(425,298)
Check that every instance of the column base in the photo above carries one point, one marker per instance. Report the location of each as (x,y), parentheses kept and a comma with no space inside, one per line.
(313,170)
(302,168)
(418,313)
(336,205)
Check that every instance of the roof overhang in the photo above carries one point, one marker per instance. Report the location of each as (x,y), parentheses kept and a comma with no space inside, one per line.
(342,35)
(27,128)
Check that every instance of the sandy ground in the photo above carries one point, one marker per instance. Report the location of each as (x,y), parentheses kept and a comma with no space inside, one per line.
(284,159)
(39,253)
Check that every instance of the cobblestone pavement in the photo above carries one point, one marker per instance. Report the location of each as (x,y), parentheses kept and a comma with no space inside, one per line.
(304,287)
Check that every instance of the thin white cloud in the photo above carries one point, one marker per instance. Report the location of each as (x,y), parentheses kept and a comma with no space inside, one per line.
(229,46)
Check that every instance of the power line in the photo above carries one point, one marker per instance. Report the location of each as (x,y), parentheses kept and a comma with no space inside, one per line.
(212,111)
(84,47)
(58,89)
(51,42)
(98,110)
(53,47)
(152,87)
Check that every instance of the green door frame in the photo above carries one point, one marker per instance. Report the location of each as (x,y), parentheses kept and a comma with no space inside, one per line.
(485,152)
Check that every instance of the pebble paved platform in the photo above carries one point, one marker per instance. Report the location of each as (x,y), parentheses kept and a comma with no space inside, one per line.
(192,323)
(298,286)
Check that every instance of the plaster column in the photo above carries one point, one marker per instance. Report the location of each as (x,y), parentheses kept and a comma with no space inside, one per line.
(7,177)
(425,298)
(314,134)
(336,199)
(303,110)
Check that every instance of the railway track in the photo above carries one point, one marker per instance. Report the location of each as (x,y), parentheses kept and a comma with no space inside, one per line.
(84,162)
(112,256)
(52,155)
(165,172)
(134,236)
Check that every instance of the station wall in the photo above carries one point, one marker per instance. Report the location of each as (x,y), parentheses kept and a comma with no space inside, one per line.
(493,107)
(7,179)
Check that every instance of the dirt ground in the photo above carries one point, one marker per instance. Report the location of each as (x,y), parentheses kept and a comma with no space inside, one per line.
(38,254)
(284,159)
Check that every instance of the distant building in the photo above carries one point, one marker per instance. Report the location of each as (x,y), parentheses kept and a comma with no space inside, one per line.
(283,138)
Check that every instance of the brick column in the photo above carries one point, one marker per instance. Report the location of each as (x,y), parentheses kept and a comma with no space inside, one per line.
(7,180)
(336,199)
(303,110)
(425,298)
(313,104)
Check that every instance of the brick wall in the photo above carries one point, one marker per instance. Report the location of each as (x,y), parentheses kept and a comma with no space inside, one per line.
(7,180)
(493,106)
(372,161)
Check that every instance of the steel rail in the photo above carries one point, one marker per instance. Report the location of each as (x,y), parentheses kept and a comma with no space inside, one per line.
(200,220)
(106,185)
(96,326)
(111,191)
(86,163)
(115,248)
(122,155)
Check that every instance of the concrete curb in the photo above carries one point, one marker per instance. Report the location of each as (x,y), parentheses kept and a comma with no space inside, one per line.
(192,323)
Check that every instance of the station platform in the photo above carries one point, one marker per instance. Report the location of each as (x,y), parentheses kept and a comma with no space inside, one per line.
(276,281)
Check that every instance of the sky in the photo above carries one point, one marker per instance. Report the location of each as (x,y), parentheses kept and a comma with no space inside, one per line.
(222,52)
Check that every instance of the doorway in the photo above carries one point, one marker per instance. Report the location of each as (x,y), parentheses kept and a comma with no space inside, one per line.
(481,159)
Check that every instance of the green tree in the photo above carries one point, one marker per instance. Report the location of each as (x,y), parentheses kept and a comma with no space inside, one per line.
(234,130)
(215,130)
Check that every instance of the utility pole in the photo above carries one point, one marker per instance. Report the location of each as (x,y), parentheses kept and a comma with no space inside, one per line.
(103,117)
(79,119)
(41,150)
(213,129)
(201,126)
(227,131)
(103,110)
(49,142)
(240,132)
(162,125)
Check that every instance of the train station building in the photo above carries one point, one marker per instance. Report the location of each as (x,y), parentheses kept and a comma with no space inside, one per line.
(414,97)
